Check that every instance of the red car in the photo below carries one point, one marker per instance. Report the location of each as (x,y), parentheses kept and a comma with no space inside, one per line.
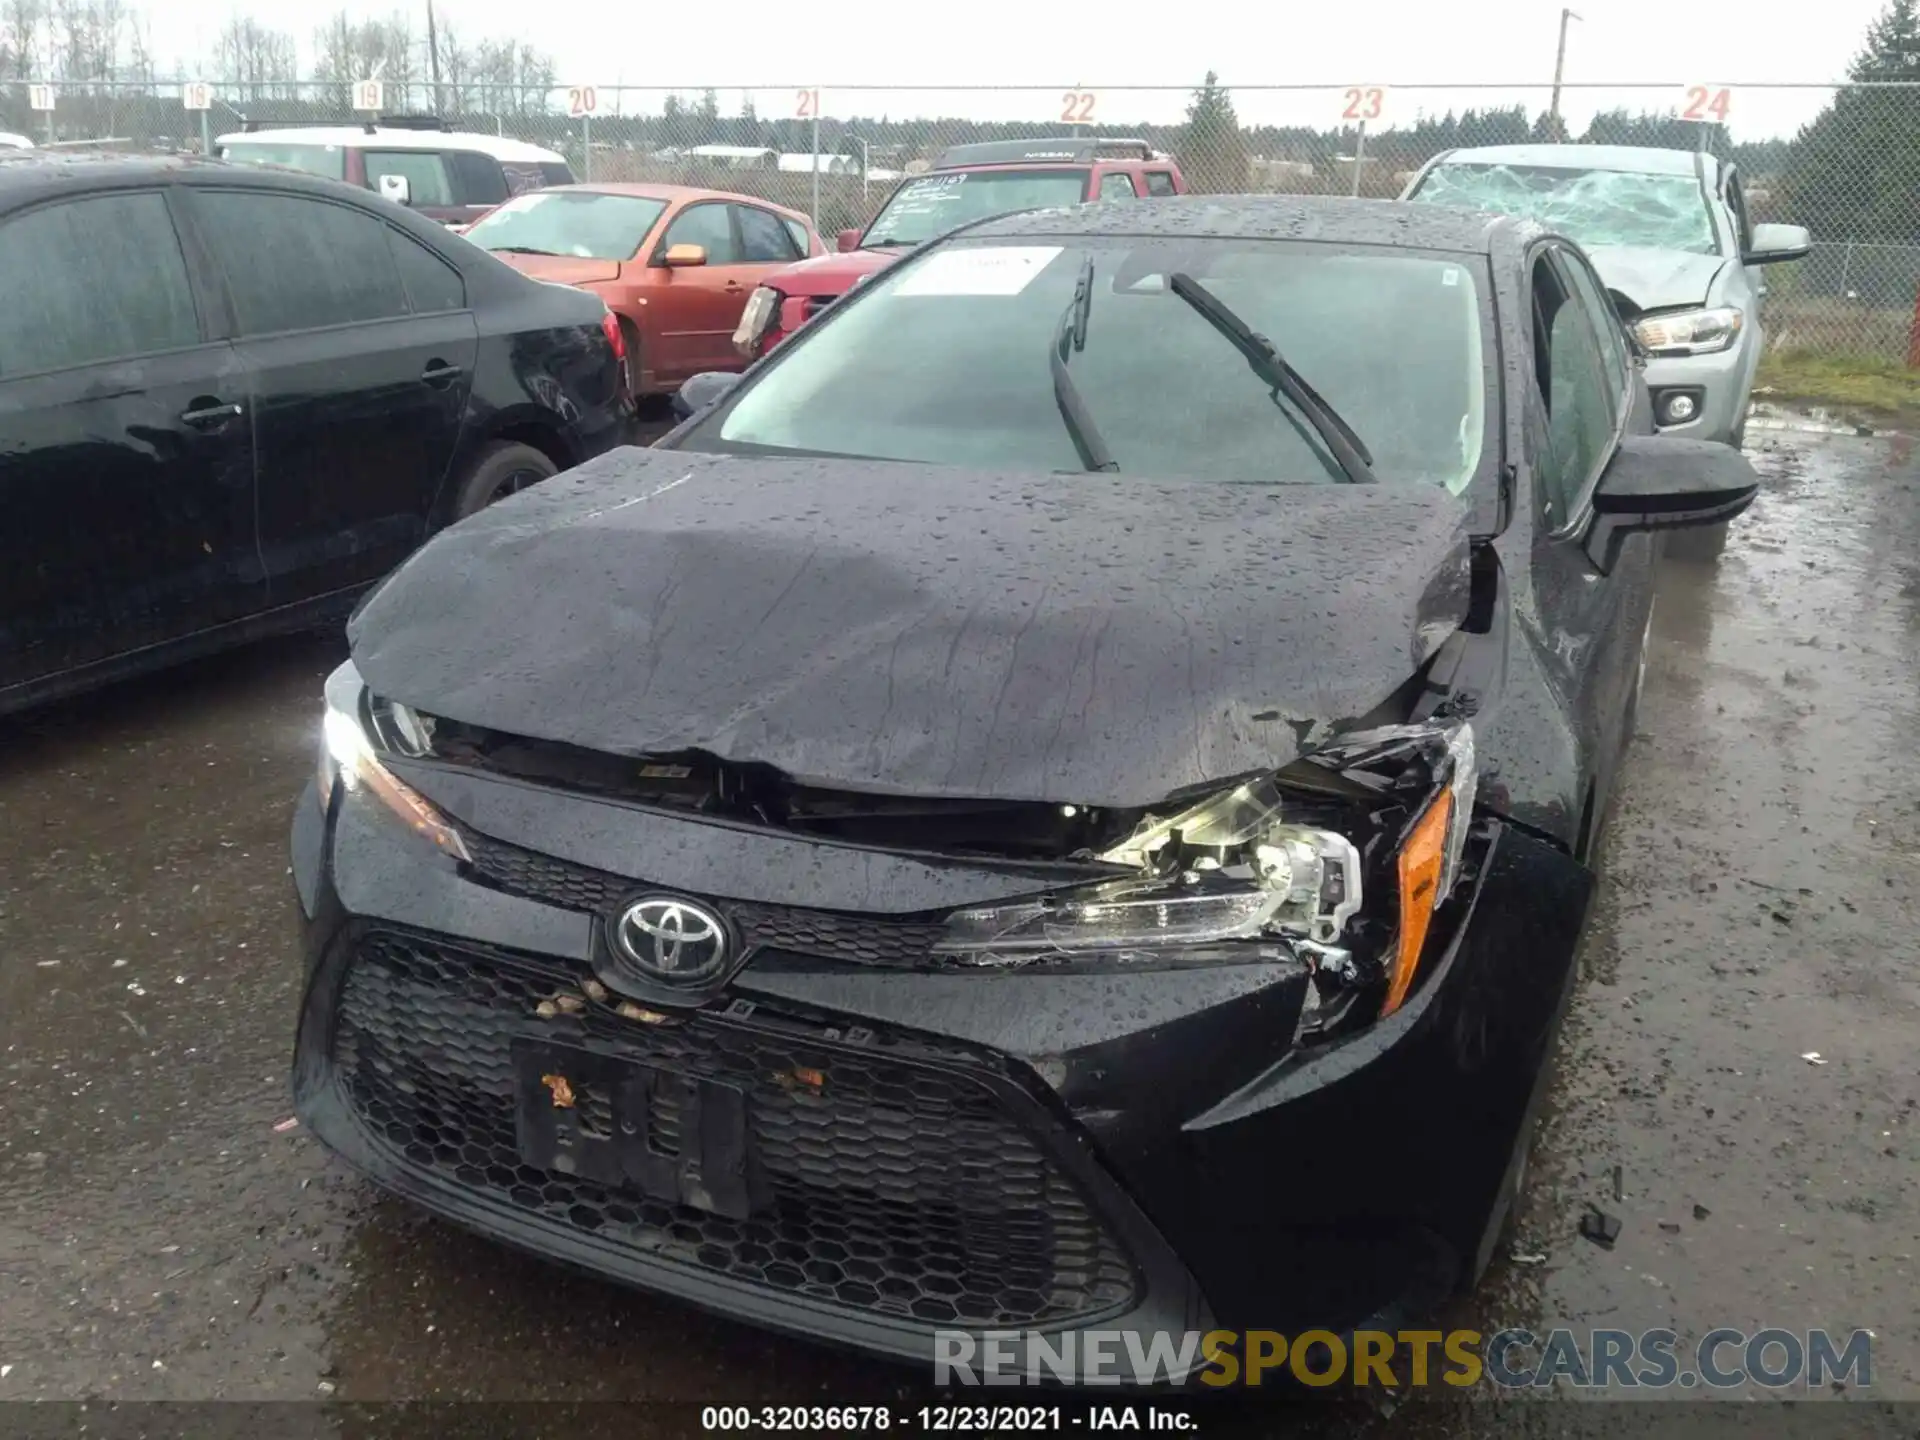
(970,182)
(674,264)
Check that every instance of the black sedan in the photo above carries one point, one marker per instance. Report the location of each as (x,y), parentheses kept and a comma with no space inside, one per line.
(1062,800)
(231,398)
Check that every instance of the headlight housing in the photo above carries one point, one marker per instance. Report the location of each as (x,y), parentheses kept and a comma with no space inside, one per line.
(1237,867)
(356,730)
(1690,332)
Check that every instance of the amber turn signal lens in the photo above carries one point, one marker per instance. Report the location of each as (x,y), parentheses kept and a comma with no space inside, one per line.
(1422,859)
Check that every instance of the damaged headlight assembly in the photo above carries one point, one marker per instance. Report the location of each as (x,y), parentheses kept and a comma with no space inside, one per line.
(357,729)
(1690,332)
(1286,860)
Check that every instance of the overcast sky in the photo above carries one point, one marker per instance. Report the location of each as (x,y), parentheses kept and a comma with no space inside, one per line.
(1661,45)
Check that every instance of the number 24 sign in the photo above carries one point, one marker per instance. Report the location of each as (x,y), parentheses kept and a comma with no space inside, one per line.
(1707,103)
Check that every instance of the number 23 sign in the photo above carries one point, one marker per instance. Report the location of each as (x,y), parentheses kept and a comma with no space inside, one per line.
(1363,105)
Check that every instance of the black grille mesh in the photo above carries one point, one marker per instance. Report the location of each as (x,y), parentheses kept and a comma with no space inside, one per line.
(897,1188)
(858,939)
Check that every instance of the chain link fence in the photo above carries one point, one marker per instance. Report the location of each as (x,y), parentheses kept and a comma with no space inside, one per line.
(1842,160)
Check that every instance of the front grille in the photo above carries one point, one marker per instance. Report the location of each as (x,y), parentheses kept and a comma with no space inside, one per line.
(858,939)
(892,1186)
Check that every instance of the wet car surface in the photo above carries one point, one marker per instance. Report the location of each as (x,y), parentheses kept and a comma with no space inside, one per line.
(161,1238)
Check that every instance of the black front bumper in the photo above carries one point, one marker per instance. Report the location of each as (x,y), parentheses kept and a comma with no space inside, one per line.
(928,1151)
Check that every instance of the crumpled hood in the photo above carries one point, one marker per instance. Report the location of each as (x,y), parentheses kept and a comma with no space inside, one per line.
(830,274)
(1656,279)
(923,629)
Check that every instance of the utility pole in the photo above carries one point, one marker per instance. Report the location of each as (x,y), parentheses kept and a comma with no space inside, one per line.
(1559,68)
(433,61)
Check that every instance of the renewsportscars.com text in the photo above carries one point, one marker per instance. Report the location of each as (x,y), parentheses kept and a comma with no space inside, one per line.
(1511,1359)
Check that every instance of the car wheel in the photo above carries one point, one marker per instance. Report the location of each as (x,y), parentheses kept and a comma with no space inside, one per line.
(1704,542)
(502,469)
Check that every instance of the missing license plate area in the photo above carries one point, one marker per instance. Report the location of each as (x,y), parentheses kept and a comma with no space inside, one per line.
(671,1137)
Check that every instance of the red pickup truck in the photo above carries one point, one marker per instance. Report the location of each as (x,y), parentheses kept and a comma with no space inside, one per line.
(969,182)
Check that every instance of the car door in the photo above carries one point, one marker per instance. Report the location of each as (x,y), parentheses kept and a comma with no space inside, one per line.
(479,184)
(1587,394)
(359,347)
(126,465)
(430,181)
(700,305)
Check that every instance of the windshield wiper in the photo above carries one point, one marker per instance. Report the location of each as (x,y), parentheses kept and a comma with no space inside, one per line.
(1347,448)
(1072,332)
(524,250)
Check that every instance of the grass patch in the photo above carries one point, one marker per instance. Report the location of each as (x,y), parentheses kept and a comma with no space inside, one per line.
(1859,382)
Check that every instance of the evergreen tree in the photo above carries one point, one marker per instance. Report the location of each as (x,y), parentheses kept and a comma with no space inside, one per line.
(1856,170)
(1212,151)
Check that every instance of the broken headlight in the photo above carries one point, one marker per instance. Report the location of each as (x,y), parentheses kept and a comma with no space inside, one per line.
(1690,332)
(1236,867)
(357,729)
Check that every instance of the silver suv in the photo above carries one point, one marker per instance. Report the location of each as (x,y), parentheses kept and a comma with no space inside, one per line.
(1668,232)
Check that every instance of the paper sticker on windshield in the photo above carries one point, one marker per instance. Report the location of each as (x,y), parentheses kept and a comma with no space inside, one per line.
(1449,276)
(1000,270)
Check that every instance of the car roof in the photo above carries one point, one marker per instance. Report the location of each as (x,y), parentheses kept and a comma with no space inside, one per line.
(1060,149)
(646,190)
(27,176)
(1634,159)
(1328,219)
(384,137)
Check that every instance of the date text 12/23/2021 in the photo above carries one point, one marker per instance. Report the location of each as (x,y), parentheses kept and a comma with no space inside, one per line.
(943,1419)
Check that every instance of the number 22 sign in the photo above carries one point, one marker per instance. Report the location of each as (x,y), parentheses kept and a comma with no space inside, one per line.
(1707,103)
(1076,107)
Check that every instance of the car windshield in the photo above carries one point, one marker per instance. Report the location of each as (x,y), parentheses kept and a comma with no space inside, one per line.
(950,358)
(1593,207)
(328,161)
(580,223)
(929,206)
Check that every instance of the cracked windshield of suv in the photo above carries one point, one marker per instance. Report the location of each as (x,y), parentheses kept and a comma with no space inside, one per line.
(1099,353)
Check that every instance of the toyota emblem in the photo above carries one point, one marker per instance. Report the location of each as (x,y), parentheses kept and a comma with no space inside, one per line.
(671,941)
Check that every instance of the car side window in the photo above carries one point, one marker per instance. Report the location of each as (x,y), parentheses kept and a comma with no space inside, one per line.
(478,179)
(1159,182)
(1115,185)
(1574,385)
(426,172)
(1606,320)
(802,242)
(705,225)
(91,280)
(763,238)
(297,263)
(433,286)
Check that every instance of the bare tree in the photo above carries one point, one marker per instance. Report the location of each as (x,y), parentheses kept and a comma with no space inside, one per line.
(515,76)
(256,61)
(20,27)
(456,72)
(366,50)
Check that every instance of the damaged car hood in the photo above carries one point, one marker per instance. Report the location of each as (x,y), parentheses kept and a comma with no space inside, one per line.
(923,629)
(1655,279)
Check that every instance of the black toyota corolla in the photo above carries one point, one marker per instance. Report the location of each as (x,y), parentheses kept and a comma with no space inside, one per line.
(1060,800)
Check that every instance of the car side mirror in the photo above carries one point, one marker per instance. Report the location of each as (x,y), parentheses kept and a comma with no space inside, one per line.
(1661,482)
(1774,243)
(702,392)
(684,257)
(847,240)
(397,189)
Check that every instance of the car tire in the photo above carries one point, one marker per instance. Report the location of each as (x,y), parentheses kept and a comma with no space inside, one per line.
(1704,542)
(503,468)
